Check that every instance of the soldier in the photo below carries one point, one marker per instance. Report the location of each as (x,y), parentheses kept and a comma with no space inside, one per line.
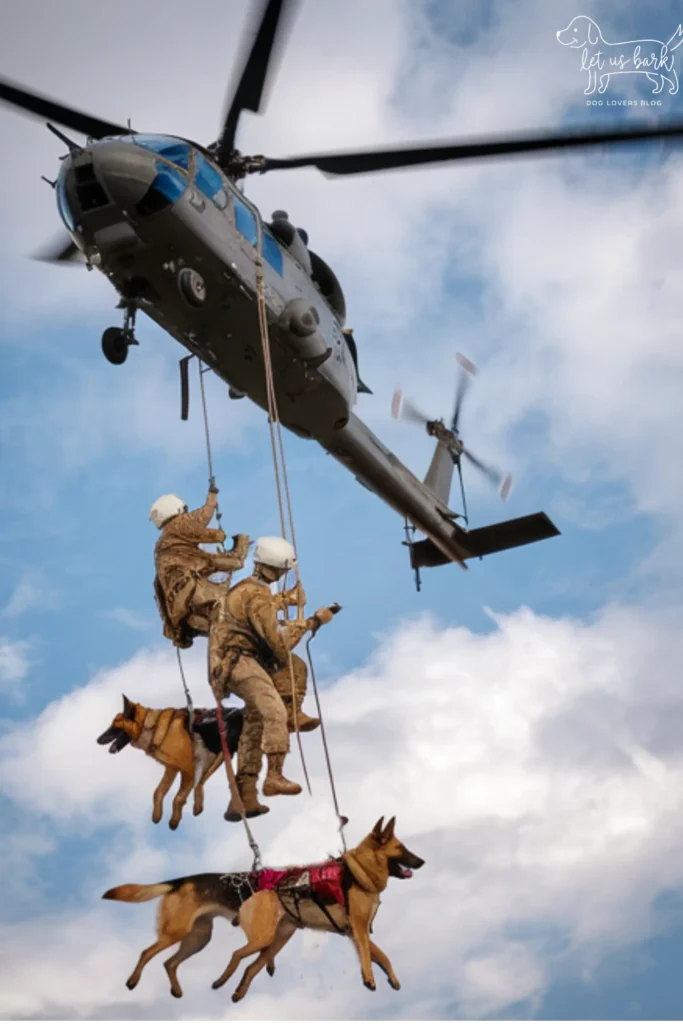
(183,592)
(247,646)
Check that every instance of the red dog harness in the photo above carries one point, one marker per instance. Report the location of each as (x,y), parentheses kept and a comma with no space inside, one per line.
(321,882)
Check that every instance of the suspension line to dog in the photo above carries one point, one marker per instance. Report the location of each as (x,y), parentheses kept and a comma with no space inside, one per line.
(280,471)
(343,820)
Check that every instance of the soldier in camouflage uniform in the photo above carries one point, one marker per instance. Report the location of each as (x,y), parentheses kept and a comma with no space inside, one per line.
(183,592)
(247,646)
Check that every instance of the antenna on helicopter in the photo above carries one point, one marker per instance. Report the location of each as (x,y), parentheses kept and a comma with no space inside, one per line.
(74,148)
(449,437)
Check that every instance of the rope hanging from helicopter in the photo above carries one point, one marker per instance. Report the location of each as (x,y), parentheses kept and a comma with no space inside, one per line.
(281,482)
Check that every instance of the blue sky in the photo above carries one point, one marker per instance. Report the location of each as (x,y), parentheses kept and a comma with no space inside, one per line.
(521,719)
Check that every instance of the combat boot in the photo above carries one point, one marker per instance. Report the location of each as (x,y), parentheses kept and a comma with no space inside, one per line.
(275,783)
(247,786)
(304,721)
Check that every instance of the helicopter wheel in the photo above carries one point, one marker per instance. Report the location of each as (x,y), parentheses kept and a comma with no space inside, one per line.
(192,287)
(115,345)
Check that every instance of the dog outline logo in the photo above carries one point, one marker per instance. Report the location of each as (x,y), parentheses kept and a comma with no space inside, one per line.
(601,60)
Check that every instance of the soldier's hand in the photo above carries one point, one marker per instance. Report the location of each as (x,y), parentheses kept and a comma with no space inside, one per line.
(212,486)
(241,545)
(323,616)
(297,596)
(220,536)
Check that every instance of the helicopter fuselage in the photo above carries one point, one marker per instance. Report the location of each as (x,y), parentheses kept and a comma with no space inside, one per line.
(179,241)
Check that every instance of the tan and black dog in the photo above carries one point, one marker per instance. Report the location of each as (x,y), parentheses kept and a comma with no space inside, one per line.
(163,734)
(271,905)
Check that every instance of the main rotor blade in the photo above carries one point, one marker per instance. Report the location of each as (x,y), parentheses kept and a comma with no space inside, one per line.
(403,409)
(49,109)
(502,482)
(364,162)
(248,94)
(60,250)
(463,384)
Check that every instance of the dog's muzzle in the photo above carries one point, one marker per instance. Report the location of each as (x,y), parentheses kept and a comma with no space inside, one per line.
(116,737)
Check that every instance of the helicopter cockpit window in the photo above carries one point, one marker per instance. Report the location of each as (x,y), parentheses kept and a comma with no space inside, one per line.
(246,225)
(167,187)
(209,180)
(272,252)
(62,201)
(175,150)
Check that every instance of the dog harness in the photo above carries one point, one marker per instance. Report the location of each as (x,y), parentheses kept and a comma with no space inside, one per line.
(319,883)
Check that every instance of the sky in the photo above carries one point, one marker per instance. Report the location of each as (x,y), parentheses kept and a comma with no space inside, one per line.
(522,720)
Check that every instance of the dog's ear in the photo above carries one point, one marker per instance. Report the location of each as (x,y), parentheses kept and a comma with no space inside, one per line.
(388,832)
(377,830)
(128,707)
(593,33)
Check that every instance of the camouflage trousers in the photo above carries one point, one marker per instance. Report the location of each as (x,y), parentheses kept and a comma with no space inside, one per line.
(282,680)
(264,729)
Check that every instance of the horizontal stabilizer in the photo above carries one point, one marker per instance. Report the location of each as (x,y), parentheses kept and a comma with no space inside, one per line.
(487,540)
(511,534)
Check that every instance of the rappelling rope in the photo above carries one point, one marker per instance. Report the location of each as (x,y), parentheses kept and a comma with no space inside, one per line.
(212,481)
(276,431)
(232,782)
(188,695)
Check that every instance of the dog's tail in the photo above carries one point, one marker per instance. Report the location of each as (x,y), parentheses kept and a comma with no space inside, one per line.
(137,893)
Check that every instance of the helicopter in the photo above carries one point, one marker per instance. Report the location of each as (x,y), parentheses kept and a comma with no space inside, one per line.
(167,221)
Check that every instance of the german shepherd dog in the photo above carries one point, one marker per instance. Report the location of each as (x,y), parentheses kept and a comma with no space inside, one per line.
(164,735)
(270,916)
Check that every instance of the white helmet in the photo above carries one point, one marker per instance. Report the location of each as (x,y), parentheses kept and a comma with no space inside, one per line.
(275,552)
(164,508)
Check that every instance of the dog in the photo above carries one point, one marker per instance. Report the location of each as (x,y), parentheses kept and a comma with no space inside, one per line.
(341,895)
(649,57)
(164,735)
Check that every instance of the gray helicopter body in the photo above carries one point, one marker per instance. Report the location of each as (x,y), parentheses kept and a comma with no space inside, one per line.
(180,242)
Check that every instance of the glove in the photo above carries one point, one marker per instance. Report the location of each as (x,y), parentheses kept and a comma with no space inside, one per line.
(296,596)
(240,545)
(322,617)
(220,536)
(212,486)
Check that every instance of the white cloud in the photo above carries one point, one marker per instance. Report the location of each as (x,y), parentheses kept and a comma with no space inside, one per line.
(14,663)
(536,768)
(32,591)
(128,618)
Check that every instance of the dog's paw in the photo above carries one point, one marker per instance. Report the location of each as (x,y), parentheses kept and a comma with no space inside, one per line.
(217,984)
(173,825)
(371,985)
(157,816)
(271,969)
(396,984)
(130,984)
(177,993)
(197,810)
(237,995)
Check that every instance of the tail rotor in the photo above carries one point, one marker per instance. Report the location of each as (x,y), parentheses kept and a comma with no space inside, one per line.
(403,409)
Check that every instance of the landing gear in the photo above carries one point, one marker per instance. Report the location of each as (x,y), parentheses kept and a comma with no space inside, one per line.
(117,340)
(192,286)
(115,345)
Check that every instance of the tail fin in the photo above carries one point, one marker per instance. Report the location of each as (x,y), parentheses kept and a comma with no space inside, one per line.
(440,473)
(137,893)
